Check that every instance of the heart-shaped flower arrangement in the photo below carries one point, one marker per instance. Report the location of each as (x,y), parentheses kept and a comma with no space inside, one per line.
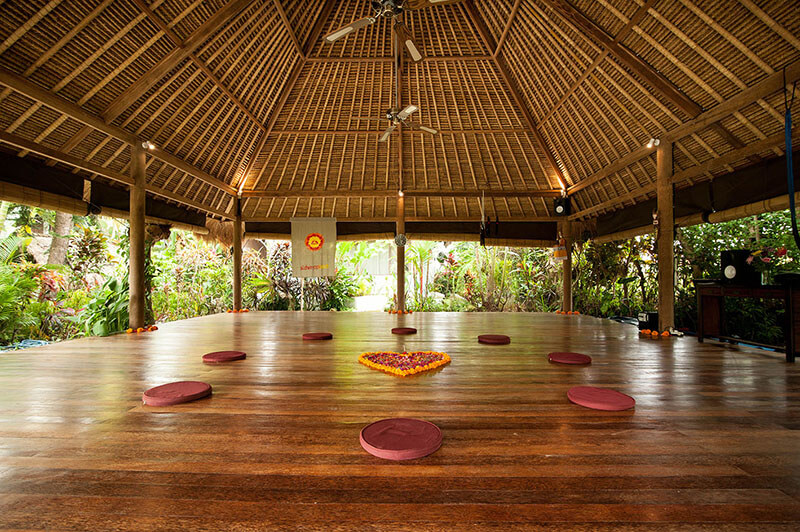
(403,364)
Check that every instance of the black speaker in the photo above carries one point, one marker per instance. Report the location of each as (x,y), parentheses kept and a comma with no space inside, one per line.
(648,320)
(561,206)
(736,270)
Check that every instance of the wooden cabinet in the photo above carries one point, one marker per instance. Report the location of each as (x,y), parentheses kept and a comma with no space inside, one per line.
(711,310)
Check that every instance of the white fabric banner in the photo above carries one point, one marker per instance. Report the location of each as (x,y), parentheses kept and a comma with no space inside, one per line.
(313,247)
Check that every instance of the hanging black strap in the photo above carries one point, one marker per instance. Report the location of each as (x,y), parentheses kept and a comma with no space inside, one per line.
(788,102)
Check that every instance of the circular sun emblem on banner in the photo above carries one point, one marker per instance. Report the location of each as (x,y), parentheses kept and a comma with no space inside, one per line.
(314,241)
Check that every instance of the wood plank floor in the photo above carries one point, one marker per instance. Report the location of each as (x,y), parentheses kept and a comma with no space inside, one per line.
(712,444)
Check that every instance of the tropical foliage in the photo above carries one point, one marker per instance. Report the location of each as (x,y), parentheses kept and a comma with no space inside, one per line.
(189,277)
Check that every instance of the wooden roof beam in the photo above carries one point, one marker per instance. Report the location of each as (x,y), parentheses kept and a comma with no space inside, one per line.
(502,131)
(662,86)
(142,5)
(510,21)
(391,219)
(316,31)
(174,58)
(66,158)
(289,30)
(435,59)
(500,62)
(510,193)
(624,32)
(76,112)
(693,172)
(167,63)
(762,89)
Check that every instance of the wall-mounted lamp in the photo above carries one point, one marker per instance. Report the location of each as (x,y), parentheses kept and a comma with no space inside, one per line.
(400,193)
(148,145)
(653,142)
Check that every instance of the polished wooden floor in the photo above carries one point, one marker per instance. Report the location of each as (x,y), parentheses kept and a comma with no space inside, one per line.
(714,442)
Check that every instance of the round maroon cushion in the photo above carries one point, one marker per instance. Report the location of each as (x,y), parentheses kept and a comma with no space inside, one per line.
(494,339)
(318,336)
(401,438)
(600,398)
(569,358)
(404,330)
(218,357)
(176,392)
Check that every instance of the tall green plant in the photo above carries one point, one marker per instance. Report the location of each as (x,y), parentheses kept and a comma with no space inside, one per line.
(12,248)
(107,312)
(17,292)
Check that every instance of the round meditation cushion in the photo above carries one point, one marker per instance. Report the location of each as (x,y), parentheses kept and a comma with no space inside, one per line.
(219,357)
(401,438)
(318,336)
(176,392)
(600,398)
(494,339)
(569,358)
(404,330)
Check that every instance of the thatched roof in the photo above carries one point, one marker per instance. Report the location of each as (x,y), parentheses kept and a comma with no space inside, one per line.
(527,95)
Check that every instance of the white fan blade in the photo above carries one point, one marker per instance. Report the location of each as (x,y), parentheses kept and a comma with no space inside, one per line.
(407,39)
(387,133)
(408,111)
(420,4)
(428,129)
(350,28)
(413,51)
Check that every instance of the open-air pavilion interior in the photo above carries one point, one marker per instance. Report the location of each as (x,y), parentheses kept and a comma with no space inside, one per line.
(553,120)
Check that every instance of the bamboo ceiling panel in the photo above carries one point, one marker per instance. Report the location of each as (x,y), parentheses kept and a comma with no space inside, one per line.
(185,17)
(278,208)
(330,96)
(371,41)
(456,96)
(440,31)
(610,15)
(302,15)
(117,47)
(308,162)
(473,162)
(444,31)
(496,15)
(226,87)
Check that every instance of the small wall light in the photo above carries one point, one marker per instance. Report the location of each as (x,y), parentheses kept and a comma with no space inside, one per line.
(653,142)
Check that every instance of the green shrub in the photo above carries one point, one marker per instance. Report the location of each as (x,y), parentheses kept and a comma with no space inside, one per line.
(17,290)
(107,311)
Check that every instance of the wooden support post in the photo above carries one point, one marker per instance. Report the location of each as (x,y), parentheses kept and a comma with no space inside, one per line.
(566,265)
(401,254)
(237,255)
(136,304)
(401,200)
(665,236)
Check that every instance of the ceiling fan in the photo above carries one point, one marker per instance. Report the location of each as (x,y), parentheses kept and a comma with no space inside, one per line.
(391,9)
(396,118)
